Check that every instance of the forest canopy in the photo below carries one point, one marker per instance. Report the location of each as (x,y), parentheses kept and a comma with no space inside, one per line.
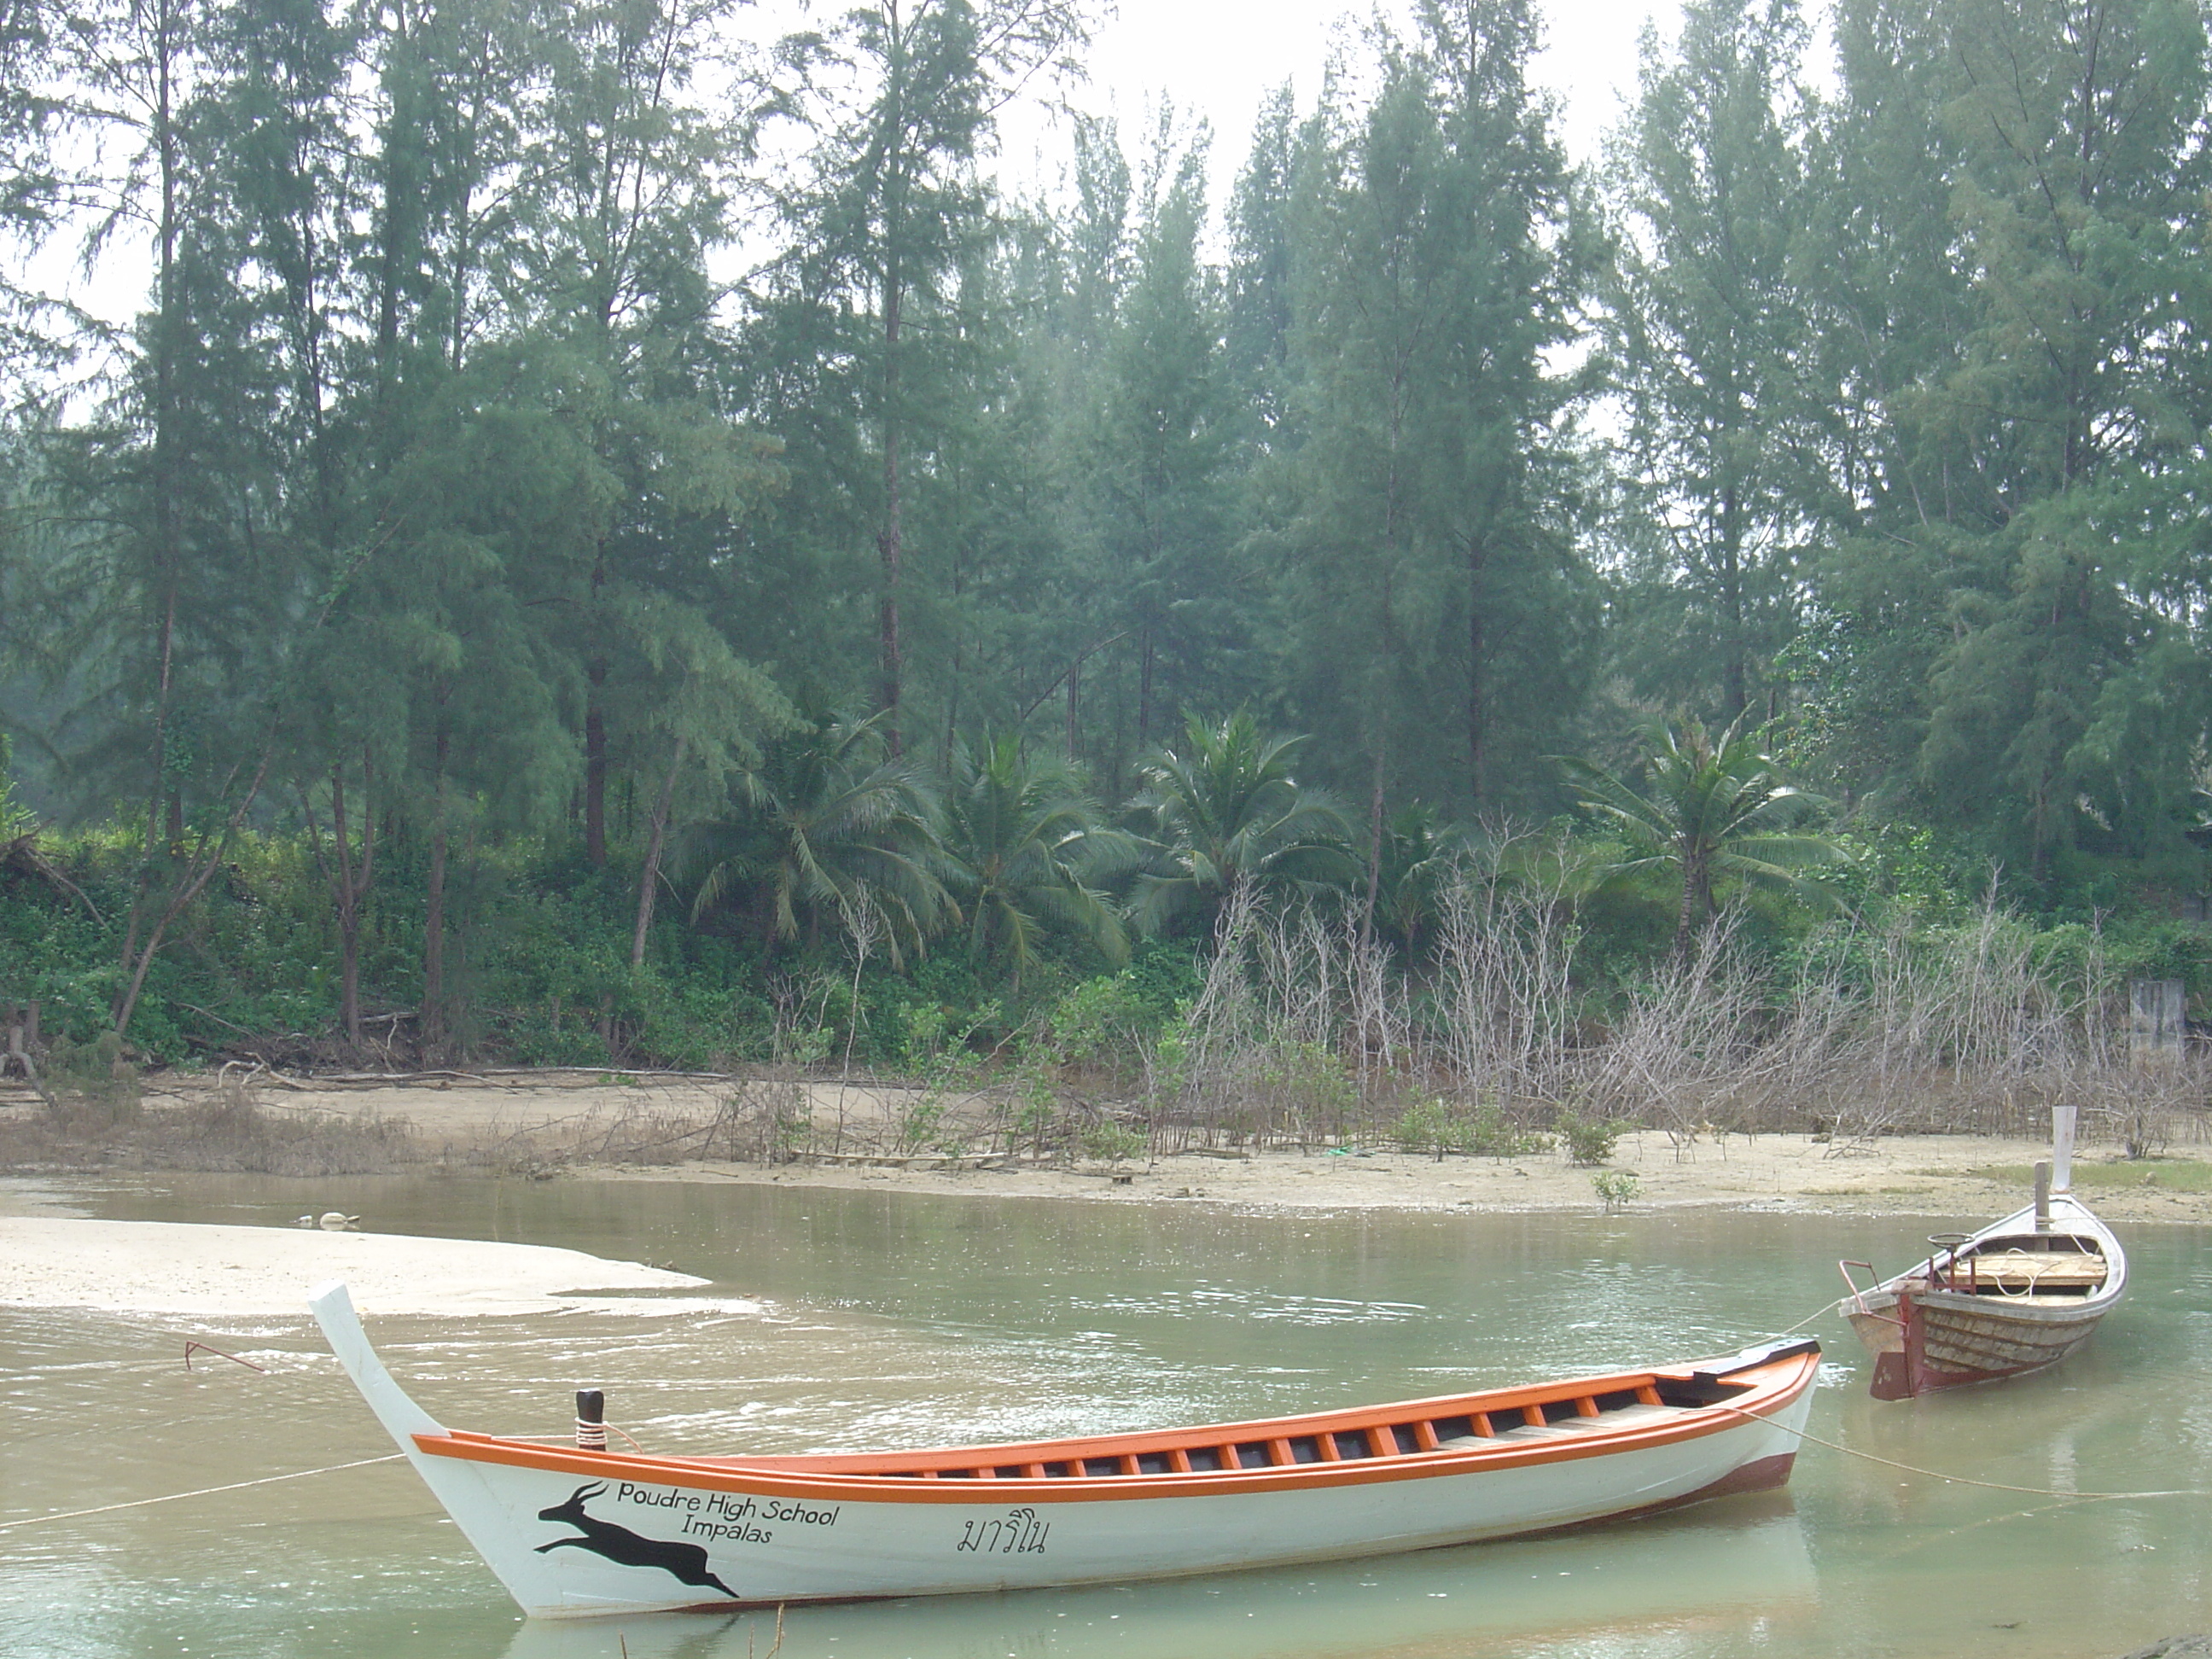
(603,481)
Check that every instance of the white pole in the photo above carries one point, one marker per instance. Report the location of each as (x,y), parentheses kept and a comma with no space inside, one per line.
(2062,1148)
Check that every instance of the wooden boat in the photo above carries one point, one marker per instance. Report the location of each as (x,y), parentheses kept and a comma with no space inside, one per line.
(575,1530)
(2014,1298)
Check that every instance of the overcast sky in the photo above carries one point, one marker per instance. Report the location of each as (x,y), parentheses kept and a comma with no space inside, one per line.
(1217,58)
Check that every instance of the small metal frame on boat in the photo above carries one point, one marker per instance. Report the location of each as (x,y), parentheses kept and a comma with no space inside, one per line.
(2012,1299)
(572,1532)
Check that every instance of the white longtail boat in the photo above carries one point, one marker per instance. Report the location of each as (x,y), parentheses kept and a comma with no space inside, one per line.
(582,1530)
(2014,1298)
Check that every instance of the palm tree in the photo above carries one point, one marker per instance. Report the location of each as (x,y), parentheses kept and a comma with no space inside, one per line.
(826,821)
(1027,844)
(1223,806)
(1716,808)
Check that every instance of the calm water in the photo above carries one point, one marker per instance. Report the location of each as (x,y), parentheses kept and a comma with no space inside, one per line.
(901,1319)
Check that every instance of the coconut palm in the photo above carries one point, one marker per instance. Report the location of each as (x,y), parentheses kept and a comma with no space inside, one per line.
(826,821)
(1716,808)
(1027,846)
(1221,806)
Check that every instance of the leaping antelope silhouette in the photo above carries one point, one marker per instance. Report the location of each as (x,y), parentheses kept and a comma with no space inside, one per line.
(686,1563)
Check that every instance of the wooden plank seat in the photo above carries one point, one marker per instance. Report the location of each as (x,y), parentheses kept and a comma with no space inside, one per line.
(2014,1273)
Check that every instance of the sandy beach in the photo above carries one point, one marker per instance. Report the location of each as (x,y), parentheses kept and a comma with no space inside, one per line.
(1925,1175)
(554,1123)
(566,1115)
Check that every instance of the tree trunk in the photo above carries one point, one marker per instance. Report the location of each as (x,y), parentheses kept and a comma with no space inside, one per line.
(1478,711)
(190,881)
(595,768)
(349,977)
(433,913)
(595,733)
(353,885)
(649,883)
(166,535)
(891,545)
(1373,850)
(1697,901)
(1144,692)
(1734,692)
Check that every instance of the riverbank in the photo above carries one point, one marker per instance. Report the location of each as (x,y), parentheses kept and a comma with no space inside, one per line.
(1912,1174)
(1922,1175)
(603,1127)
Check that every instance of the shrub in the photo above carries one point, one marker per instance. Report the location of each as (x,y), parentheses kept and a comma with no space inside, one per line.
(1482,1130)
(92,1081)
(1110,1142)
(1589,1141)
(1615,1188)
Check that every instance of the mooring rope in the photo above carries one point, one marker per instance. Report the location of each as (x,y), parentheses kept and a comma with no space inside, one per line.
(1952,1480)
(1821,1312)
(203,1491)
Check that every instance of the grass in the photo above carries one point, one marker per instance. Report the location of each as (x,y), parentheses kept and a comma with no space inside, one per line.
(2174,1175)
(226,1131)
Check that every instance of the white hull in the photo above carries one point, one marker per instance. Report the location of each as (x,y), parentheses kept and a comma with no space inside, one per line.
(718,1533)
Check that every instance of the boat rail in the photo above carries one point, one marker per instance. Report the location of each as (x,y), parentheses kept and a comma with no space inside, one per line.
(1858,1298)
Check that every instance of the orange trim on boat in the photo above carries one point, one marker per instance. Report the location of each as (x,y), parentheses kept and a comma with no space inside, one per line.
(862,1478)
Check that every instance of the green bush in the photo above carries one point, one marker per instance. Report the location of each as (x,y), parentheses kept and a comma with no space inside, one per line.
(1111,1142)
(1482,1130)
(1615,1188)
(1588,1141)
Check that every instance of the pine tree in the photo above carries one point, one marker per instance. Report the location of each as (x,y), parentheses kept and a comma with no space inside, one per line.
(1441,261)
(889,217)
(1705,328)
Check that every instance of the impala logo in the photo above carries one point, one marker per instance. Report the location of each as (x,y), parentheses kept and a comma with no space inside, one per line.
(686,1562)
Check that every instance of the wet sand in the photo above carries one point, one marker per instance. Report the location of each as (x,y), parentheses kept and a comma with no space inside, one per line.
(571,1117)
(1922,1176)
(49,1262)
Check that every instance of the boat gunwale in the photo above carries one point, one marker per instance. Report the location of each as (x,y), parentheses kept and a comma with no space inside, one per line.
(2021,1308)
(1773,1387)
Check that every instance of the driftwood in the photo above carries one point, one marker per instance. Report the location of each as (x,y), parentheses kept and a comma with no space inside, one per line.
(21,1021)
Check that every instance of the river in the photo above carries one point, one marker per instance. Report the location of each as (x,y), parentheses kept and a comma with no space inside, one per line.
(901,1318)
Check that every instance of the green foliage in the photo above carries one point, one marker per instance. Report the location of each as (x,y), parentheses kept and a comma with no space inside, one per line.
(448,469)
(1615,1189)
(830,832)
(1308,1090)
(93,1080)
(1223,805)
(1717,809)
(1030,854)
(1112,1143)
(1587,1141)
(1483,1130)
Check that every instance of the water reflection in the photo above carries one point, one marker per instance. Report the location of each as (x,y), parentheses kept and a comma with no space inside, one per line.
(905,1321)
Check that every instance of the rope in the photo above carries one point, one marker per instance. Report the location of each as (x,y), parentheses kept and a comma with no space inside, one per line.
(203,1491)
(1954,1479)
(1821,1312)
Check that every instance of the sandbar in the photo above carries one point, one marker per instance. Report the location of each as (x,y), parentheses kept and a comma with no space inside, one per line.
(208,1271)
